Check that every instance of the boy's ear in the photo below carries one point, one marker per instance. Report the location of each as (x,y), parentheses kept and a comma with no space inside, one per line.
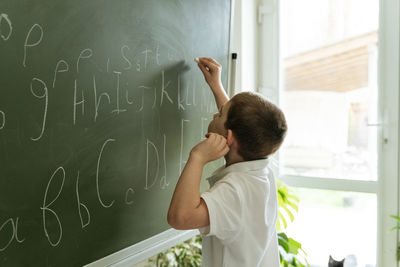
(230,138)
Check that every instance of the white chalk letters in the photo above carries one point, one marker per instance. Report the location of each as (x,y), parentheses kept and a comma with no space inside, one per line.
(44,95)
(81,205)
(4,18)
(46,208)
(14,232)
(97,175)
(2,119)
(31,40)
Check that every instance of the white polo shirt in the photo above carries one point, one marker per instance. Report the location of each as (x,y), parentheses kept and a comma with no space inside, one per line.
(242,204)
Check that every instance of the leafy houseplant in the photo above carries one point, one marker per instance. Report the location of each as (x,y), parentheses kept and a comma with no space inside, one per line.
(394,228)
(290,252)
(186,254)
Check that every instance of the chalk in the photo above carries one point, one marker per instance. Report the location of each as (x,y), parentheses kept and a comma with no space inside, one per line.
(197,60)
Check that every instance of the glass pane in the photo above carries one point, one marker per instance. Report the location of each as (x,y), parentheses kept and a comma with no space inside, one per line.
(335,223)
(329,51)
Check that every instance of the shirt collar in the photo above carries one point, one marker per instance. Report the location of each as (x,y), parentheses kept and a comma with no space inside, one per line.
(257,167)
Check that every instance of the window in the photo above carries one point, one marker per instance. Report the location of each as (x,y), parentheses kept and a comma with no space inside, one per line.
(329,87)
(332,65)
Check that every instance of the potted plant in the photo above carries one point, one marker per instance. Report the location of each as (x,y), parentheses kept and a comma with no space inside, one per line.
(290,252)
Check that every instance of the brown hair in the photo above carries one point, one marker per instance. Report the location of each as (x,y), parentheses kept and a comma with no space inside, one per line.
(258,124)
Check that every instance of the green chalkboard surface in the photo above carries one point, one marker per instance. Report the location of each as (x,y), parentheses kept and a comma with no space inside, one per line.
(100,105)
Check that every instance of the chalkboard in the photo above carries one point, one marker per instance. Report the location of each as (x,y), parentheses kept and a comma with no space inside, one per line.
(100,104)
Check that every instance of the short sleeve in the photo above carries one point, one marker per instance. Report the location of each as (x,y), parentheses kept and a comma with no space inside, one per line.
(224,208)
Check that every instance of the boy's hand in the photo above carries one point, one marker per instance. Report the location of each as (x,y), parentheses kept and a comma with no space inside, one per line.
(211,149)
(212,72)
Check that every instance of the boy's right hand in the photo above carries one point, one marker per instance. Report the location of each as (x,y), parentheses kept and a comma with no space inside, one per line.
(210,149)
(213,74)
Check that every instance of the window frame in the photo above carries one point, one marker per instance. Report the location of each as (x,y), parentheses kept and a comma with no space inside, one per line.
(387,189)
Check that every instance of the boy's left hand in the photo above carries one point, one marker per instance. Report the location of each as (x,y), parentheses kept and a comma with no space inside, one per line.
(214,147)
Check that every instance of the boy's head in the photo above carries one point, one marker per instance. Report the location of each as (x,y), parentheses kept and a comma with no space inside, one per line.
(258,125)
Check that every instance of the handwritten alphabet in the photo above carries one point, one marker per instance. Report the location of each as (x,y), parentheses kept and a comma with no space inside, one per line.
(62,66)
(98,100)
(163,87)
(4,17)
(14,231)
(129,192)
(82,103)
(85,54)
(97,175)
(46,207)
(97,95)
(118,110)
(123,48)
(181,152)
(45,95)
(2,119)
(32,43)
(81,205)
(148,142)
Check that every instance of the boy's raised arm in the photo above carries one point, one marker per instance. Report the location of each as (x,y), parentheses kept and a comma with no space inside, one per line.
(212,74)
(187,210)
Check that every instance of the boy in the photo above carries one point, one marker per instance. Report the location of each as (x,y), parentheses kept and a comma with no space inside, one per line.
(237,215)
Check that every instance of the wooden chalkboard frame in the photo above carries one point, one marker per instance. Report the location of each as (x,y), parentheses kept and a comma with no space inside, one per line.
(147,248)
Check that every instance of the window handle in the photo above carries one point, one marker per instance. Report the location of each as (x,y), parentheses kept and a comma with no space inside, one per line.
(381,124)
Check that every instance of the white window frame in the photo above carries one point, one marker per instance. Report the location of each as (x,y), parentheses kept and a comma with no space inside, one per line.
(387,187)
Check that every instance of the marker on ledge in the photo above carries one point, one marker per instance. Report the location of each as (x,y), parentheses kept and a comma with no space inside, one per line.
(197,60)
(233,75)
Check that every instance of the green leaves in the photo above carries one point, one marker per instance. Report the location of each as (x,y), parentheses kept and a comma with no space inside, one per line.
(186,254)
(291,253)
(398,222)
(394,228)
(287,203)
(398,253)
